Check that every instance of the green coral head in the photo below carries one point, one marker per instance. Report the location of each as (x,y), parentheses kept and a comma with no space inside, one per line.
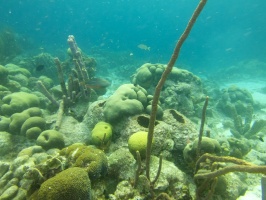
(92,159)
(138,142)
(101,133)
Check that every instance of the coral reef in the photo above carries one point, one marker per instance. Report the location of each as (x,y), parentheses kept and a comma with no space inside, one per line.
(150,140)
(182,91)
(17,102)
(235,97)
(126,101)
(138,142)
(238,147)
(23,175)
(72,183)
(148,75)
(32,127)
(101,134)
(49,139)
(123,160)
(93,160)
(208,145)
(33,118)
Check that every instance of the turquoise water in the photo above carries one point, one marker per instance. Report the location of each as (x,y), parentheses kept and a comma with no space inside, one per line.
(226,32)
(130,41)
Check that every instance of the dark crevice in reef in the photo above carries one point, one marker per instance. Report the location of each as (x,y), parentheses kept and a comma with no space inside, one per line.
(177,116)
(144,121)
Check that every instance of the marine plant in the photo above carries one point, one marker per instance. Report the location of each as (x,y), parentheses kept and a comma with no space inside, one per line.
(206,178)
(81,82)
(160,84)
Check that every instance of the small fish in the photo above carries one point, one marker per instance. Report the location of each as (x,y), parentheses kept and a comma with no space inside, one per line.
(144,47)
(97,83)
(39,67)
(260,138)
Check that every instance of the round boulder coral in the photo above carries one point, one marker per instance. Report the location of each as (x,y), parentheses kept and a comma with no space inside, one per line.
(208,145)
(17,102)
(148,75)
(32,127)
(18,119)
(127,100)
(72,183)
(51,139)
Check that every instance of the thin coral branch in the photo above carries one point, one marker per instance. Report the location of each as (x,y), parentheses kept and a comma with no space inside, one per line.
(59,116)
(240,166)
(233,168)
(61,76)
(138,169)
(203,117)
(159,170)
(47,93)
(165,74)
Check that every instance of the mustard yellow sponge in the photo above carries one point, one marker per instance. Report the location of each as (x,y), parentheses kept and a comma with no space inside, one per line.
(138,142)
(101,133)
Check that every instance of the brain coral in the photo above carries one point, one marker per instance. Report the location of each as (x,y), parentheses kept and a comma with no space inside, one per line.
(51,139)
(72,183)
(17,102)
(148,75)
(92,159)
(18,119)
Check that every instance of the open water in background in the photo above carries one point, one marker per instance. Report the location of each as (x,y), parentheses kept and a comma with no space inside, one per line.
(226,32)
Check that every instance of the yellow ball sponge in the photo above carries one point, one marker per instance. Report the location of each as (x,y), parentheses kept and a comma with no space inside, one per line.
(101,133)
(138,142)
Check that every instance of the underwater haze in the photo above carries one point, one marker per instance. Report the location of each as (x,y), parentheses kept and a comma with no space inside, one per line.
(226,32)
(81,82)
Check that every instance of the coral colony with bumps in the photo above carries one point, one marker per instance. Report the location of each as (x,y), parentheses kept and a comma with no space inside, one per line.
(163,136)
